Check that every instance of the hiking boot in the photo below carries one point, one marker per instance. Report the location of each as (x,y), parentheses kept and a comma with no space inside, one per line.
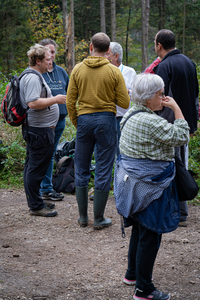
(129,282)
(155,295)
(49,205)
(53,195)
(44,212)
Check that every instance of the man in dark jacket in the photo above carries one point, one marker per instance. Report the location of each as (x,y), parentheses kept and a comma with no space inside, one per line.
(180,78)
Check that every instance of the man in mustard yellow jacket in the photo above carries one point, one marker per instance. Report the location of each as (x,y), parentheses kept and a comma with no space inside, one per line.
(98,86)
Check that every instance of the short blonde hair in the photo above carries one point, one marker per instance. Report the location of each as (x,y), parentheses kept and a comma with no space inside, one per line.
(145,87)
(36,52)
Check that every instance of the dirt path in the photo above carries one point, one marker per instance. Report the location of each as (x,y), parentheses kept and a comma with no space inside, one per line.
(55,259)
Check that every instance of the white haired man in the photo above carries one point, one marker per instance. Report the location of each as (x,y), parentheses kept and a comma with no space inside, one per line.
(115,56)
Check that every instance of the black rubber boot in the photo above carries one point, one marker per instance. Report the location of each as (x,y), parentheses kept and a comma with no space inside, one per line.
(100,200)
(82,200)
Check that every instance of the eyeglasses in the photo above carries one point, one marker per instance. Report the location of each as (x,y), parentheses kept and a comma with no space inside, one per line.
(162,95)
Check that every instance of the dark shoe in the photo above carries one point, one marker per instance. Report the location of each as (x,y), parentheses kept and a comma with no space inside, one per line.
(52,196)
(91,197)
(44,212)
(183,224)
(102,224)
(129,282)
(82,200)
(83,222)
(100,200)
(155,295)
(49,205)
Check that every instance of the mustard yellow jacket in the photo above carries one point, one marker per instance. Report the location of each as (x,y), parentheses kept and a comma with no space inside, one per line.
(98,86)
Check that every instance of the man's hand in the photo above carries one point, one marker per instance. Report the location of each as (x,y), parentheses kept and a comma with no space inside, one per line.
(60,99)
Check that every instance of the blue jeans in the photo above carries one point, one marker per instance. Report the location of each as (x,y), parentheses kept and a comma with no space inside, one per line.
(46,185)
(118,133)
(95,130)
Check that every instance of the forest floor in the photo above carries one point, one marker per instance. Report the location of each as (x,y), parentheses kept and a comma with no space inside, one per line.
(55,259)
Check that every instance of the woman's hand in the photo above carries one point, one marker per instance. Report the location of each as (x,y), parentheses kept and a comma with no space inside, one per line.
(171,103)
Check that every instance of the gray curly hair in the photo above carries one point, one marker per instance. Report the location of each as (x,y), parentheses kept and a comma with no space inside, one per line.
(145,87)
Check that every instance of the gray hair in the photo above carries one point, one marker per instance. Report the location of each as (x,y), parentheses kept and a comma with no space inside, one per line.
(45,42)
(145,87)
(117,49)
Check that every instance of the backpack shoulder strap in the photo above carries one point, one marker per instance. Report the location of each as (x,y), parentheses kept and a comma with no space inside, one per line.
(60,163)
(27,71)
(132,114)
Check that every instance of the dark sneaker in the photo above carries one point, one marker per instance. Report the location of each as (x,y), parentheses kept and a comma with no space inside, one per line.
(52,196)
(155,295)
(44,212)
(49,205)
(183,224)
(129,282)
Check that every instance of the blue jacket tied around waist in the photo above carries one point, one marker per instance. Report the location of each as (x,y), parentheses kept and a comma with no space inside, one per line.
(150,199)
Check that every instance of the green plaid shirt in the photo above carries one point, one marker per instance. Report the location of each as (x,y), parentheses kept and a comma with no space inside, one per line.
(147,135)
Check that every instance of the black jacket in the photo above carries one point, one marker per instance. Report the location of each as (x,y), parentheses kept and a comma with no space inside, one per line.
(180,78)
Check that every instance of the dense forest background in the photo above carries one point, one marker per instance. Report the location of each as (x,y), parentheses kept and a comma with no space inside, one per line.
(24,23)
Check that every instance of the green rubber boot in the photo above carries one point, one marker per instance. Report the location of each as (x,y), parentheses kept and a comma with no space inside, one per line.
(82,200)
(100,200)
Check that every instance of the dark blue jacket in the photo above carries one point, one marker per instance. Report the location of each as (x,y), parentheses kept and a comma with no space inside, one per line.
(180,78)
(58,81)
(163,214)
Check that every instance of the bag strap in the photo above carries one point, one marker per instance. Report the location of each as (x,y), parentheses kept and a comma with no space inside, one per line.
(27,71)
(133,113)
(60,163)
(32,71)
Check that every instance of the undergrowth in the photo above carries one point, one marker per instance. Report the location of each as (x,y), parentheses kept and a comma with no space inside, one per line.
(13,151)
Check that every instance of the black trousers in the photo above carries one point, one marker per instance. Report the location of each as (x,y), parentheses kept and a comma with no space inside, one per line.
(143,248)
(182,153)
(39,151)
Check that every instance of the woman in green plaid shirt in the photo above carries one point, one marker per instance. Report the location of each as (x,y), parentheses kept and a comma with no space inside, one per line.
(147,153)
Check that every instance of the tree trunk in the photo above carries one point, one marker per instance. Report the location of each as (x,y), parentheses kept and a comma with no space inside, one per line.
(102,15)
(113,21)
(145,27)
(184,4)
(65,18)
(127,32)
(70,40)
(161,8)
